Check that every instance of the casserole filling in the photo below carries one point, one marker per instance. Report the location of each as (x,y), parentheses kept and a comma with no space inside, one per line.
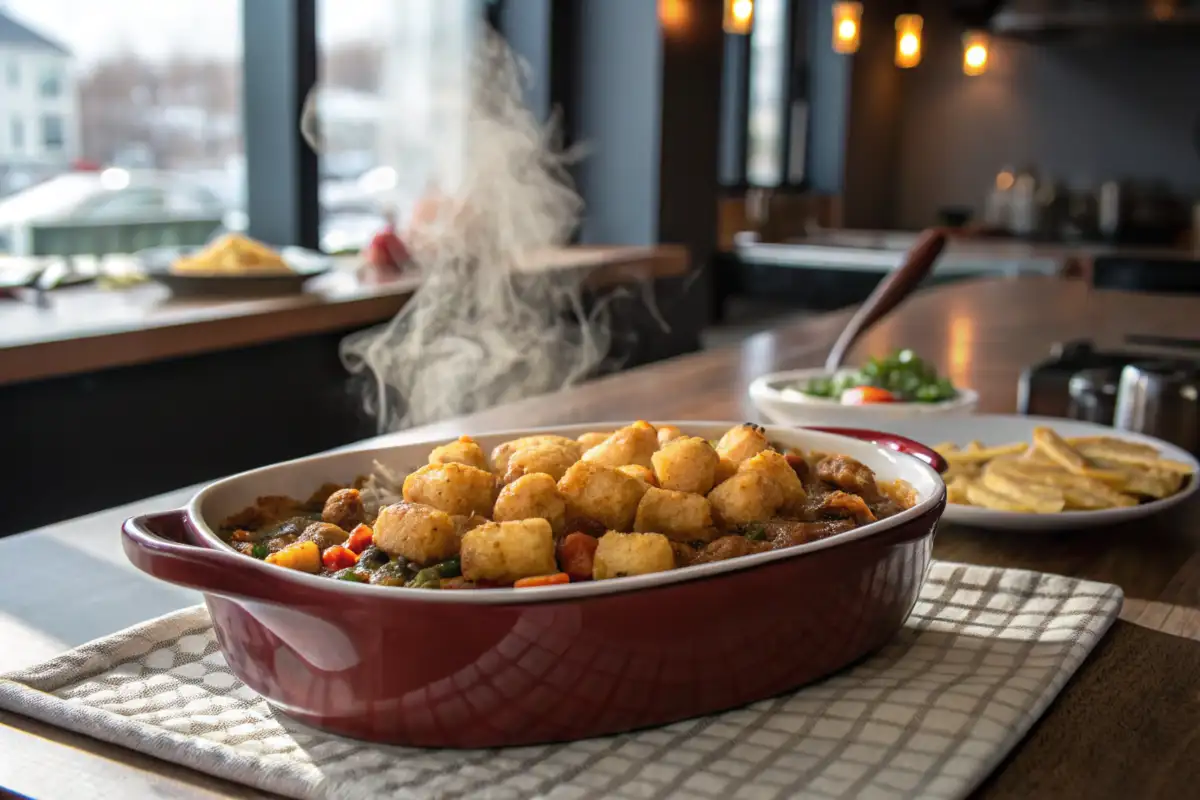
(544,510)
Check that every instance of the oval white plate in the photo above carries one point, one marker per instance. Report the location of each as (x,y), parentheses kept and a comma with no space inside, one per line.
(784,406)
(997,429)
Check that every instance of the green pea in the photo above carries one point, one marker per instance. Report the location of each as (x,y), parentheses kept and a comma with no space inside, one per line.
(260,551)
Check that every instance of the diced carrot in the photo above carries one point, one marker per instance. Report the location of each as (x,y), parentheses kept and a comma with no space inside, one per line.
(576,554)
(457,583)
(543,580)
(338,557)
(360,538)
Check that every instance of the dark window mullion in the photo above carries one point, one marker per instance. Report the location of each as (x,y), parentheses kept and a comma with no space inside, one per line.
(735,111)
(280,69)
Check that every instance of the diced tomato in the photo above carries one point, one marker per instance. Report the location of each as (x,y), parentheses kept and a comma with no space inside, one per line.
(576,554)
(360,538)
(338,557)
(865,395)
(543,580)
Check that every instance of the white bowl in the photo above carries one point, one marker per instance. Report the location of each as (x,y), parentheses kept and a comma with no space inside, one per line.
(782,405)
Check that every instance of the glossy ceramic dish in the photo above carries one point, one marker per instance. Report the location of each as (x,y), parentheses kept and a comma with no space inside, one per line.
(503,667)
(772,396)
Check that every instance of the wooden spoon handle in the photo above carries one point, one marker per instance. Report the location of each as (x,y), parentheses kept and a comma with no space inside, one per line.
(889,293)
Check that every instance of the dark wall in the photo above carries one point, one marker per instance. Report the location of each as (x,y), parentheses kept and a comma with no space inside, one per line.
(1082,111)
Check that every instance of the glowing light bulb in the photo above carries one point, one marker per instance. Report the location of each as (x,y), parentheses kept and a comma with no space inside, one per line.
(908,40)
(739,16)
(847,27)
(975,53)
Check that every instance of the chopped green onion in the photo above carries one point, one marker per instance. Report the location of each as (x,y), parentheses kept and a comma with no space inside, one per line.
(260,551)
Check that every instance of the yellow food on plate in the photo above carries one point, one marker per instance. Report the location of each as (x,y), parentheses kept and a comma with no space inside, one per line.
(231,254)
(1051,474)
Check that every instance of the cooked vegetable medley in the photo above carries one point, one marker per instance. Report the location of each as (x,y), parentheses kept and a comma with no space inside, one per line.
(900,377)
(546,510)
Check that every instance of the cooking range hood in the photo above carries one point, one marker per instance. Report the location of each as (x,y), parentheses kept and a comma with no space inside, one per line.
(1032,17)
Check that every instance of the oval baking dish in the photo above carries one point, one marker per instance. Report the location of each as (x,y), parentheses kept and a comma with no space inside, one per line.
(503,667)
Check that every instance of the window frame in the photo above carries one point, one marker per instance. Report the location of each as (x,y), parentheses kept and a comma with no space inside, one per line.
(736,105)
(280,58)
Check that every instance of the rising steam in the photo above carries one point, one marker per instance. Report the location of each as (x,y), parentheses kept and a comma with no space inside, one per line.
(487,324)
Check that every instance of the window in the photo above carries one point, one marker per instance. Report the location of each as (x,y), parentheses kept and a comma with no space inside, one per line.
(52,132)
(152,85)
(51,83)
(381,73)
(16,134)
(768,94)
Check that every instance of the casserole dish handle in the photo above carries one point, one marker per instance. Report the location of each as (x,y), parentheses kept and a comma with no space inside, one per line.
(159,545)
(892,442)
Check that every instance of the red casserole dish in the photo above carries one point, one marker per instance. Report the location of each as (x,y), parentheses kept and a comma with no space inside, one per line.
(504,667)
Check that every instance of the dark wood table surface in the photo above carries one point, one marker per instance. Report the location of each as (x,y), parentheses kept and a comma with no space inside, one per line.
(1127,725)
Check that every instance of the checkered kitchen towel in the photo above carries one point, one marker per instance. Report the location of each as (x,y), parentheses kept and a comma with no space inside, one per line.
(982,655)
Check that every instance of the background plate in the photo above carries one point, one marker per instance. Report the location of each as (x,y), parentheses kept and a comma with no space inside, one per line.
(305,264)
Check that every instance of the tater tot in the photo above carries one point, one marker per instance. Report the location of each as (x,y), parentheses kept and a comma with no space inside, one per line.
(776,467)
(686,465)
(602,494)
(746,497)
(533,496)
(552,458)
(502,452)
(643,474)
(505,552)
(724,471)
(619,555)
(416,532)
(742,442)
(463,450)
(668,433)
(453,488)
(590,440)
(677,515)
(633,444)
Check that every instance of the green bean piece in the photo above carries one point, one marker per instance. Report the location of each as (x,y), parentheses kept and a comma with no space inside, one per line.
(428,578)
(393,573)
(450,568)
(352,574)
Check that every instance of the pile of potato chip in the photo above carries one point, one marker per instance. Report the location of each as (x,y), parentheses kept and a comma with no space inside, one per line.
(232,254)
(1053,474)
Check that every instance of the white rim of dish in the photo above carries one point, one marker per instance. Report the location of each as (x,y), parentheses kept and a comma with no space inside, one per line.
(766,388)
(571,591)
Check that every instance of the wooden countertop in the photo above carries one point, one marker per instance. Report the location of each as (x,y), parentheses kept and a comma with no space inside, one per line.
(1124,727)
(87,328)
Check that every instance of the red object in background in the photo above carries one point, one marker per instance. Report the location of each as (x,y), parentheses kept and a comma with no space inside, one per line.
(83,165)
(386,253)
